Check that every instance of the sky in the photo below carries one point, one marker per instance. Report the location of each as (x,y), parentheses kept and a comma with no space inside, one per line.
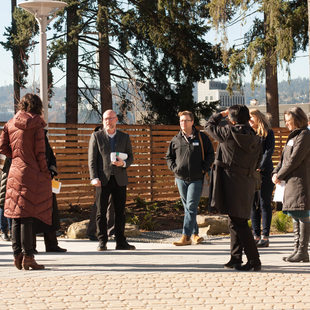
(300,68)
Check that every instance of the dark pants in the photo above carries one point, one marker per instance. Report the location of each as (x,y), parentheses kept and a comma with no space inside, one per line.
(22,236)
(92,226)
(241,238)
(5,223)
(50,240)
(118,194)
(262,208)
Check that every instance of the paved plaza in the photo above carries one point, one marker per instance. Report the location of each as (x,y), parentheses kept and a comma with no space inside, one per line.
(155,276)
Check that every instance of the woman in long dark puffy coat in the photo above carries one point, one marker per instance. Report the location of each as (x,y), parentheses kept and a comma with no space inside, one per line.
(261,209)
(294,169)
(29,190)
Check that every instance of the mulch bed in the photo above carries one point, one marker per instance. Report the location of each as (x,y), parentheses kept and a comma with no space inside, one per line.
(149,216)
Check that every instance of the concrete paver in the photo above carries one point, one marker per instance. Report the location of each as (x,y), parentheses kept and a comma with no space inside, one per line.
(155,276)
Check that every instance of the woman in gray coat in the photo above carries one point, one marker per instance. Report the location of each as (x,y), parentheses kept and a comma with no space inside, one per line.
(294,169)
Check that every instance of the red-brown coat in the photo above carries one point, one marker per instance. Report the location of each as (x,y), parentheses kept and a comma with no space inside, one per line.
(29,190)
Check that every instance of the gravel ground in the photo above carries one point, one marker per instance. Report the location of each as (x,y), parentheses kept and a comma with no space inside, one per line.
(164,236)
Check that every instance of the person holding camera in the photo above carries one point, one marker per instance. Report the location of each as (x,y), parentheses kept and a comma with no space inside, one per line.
(237,158)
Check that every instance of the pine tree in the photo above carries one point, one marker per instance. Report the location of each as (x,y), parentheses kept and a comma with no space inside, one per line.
(277,33)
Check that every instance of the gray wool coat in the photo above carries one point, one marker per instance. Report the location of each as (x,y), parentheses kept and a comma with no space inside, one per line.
(237,157)
(294,169)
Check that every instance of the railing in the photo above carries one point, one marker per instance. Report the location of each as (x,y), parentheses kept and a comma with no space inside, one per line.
(149,177)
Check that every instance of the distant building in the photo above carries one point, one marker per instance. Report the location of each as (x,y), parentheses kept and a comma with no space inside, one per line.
(212,91)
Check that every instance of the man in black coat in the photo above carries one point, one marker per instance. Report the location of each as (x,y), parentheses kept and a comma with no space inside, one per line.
(237,157)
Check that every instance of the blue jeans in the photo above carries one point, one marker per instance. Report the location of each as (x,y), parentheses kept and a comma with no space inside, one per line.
(261,210)
(5,223)
(190,193)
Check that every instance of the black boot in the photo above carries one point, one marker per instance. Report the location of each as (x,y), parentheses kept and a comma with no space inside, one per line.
(253,264)
(302,252)
(296,230)
(51,243)
(233,263)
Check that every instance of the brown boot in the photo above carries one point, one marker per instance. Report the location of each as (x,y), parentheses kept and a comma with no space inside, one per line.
(185,240)
(197,239)
(18,261)
(29,261)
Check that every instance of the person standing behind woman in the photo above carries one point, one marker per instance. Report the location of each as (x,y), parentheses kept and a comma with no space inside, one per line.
(29,190)
(294,169)
(262,204)
(5,223)
(49,232)
(184,159)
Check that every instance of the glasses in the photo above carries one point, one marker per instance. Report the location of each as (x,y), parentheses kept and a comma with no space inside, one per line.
(109,119)
(185,120)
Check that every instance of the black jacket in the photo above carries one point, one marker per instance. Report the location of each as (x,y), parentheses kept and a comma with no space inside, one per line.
(237,157)
(3,180)
(184,158)
(268,144)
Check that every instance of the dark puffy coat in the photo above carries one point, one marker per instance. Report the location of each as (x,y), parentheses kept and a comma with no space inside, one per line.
(237,157)
(184,158)
(294,169)
(29,190)
(3,180)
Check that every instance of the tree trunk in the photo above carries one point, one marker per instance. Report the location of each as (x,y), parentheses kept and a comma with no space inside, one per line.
(15,55)
(308,3)
(104,57)
(72,66)
(272,96)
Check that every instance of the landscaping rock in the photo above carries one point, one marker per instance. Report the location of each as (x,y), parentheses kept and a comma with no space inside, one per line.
(78,230)
(132,230)
(218,224)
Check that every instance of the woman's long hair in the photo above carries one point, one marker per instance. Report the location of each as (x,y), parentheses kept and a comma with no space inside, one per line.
(263,122)
(31,103)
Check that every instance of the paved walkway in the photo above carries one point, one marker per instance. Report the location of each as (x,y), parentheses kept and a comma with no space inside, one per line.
(155,276)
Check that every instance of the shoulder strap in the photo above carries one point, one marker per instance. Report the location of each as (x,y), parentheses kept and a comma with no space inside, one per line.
(202,148)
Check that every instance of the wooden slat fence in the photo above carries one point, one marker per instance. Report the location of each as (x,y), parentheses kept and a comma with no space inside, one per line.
(149,177)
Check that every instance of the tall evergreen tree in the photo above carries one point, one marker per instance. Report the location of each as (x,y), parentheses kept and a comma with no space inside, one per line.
(277,33)
(72,60)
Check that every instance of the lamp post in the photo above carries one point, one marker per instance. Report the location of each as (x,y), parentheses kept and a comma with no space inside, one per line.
(42,9)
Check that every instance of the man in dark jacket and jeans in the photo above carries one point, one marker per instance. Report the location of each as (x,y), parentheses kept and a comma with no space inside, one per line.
(237,157)
(188,159)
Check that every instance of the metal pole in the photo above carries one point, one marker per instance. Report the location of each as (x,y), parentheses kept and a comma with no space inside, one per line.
(42,20)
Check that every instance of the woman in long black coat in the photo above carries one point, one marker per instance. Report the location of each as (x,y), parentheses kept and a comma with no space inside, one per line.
(294,170)
(237,158)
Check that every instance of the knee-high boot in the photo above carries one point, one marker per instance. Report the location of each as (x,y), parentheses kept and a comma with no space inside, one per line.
(302,252)
(296,226)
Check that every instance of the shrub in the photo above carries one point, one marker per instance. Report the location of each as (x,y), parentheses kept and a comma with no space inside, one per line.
(281,222)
